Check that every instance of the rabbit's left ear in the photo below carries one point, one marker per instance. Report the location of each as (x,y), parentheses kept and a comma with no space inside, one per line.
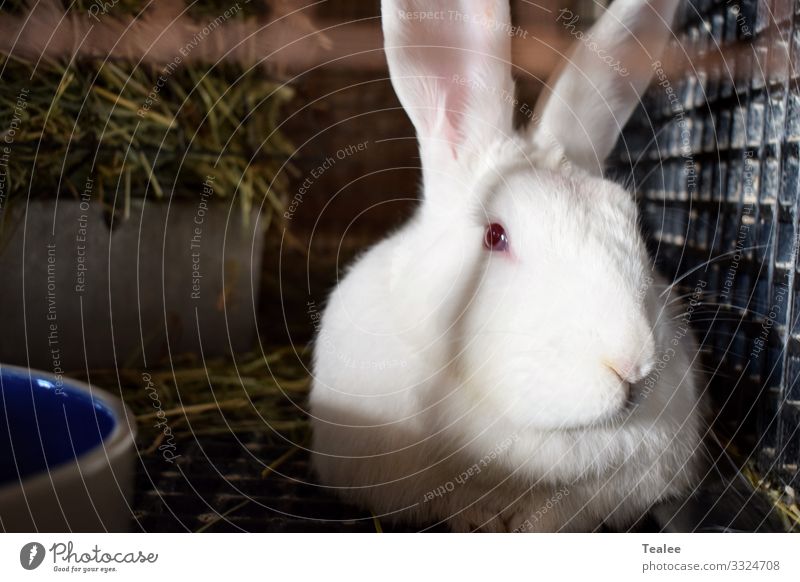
(450,66)
(587,102)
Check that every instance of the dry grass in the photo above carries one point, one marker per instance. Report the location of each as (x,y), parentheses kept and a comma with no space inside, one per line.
(252,393)
(783,498)
(93,120)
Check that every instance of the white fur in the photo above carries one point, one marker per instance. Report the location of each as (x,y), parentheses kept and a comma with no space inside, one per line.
(496,379)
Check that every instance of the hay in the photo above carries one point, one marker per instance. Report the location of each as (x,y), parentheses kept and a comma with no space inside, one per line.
(138,132)
(254,393)
(783,498)
(132,129)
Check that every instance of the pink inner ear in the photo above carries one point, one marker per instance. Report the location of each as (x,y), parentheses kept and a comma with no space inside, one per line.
(461,76)
(451,75)
(451,134)
(455,103)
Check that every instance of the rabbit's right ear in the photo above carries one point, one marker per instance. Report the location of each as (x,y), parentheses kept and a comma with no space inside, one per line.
(450,66)
(585,106)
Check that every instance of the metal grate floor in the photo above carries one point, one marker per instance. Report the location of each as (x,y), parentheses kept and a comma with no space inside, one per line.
(218,485)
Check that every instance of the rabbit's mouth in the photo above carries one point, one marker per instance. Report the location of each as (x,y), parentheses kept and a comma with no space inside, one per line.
(621,402)
(624,384)
(633,394)
(635,397)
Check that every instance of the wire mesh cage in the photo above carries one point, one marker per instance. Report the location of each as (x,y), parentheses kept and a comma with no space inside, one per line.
(713,155)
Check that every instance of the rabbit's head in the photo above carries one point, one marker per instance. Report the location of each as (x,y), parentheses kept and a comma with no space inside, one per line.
(543,275)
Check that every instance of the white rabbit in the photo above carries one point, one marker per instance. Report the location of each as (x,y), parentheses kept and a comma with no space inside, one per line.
(505,361)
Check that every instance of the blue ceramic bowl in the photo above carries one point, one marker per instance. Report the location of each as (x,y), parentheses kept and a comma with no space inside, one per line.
(63,445)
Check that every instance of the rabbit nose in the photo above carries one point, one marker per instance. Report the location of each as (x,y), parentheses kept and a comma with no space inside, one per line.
(634,360)
(631,371)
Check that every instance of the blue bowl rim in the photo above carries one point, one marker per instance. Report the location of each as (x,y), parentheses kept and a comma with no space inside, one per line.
(117,442)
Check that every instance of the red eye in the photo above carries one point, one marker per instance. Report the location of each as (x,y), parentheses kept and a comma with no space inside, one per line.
(495,238)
